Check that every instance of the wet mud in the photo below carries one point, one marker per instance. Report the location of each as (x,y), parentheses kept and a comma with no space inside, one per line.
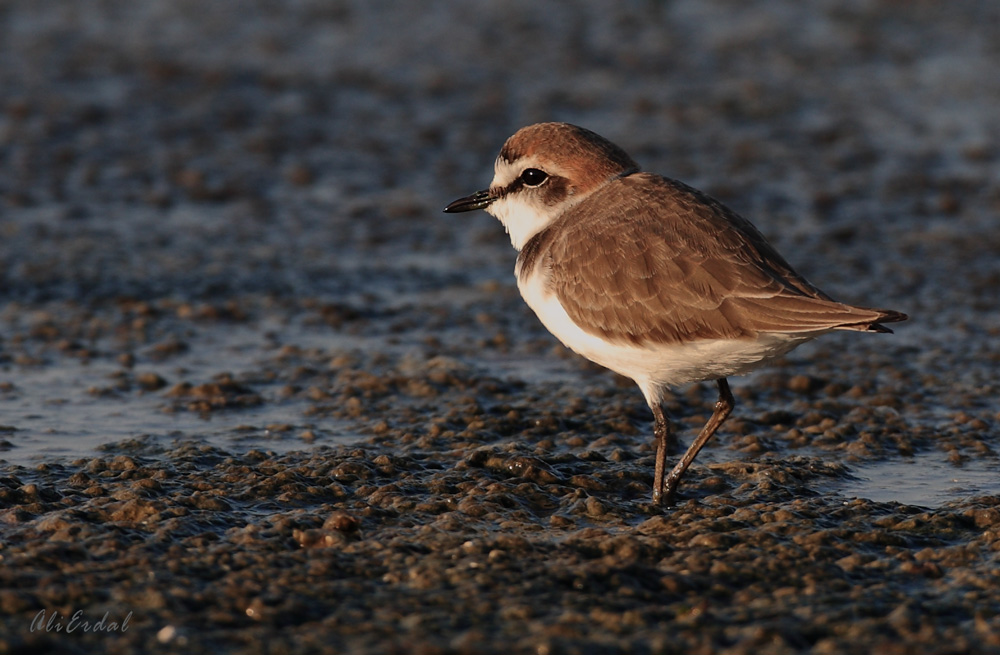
(257,394)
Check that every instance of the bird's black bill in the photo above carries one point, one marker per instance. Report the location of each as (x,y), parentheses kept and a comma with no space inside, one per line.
(477,200)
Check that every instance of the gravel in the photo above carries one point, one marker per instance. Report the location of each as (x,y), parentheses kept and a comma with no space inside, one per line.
(259,395)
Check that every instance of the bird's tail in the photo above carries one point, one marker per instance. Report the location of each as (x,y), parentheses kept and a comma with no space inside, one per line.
(883,316)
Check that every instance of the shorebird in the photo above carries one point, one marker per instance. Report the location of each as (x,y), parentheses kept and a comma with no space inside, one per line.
(649,277)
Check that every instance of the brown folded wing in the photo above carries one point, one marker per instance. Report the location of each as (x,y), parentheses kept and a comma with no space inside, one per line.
(669,264)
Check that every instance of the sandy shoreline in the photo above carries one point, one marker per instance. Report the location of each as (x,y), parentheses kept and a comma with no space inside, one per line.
(259,395)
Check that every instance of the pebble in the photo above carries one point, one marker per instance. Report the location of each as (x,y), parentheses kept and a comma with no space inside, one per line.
(236,222)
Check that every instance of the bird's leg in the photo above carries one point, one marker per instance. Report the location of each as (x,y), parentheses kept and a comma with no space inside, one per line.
(661,430)
(722,410)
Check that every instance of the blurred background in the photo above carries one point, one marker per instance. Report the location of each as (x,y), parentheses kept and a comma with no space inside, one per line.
(186,187)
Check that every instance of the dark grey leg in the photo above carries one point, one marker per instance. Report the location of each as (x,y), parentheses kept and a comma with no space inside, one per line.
(722,410)
(661,430)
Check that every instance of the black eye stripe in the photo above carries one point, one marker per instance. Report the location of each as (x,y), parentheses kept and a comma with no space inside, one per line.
(519,183)
(512,187)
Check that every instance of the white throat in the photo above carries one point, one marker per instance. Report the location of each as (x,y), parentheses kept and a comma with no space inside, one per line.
(521,220)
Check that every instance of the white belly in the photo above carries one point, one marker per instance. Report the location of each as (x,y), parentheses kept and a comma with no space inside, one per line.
(656,366)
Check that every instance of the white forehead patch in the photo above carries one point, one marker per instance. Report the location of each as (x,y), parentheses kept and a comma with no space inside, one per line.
(505,172)
(521,212)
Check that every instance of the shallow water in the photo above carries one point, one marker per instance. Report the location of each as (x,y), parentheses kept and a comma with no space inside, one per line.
(924,480)
(207,192)
(65,408)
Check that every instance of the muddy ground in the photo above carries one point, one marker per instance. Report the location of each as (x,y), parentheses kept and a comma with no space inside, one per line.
(257,394)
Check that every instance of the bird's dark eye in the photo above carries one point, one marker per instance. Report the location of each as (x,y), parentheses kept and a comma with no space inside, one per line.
(533,176)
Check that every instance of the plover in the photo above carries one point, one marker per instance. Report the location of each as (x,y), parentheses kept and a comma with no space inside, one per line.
(649,277)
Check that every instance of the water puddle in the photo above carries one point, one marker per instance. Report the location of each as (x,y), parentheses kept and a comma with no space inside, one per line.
(59,411)
(926,479)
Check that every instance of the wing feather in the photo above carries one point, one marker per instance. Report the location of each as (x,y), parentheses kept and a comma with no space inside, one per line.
(670,264)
